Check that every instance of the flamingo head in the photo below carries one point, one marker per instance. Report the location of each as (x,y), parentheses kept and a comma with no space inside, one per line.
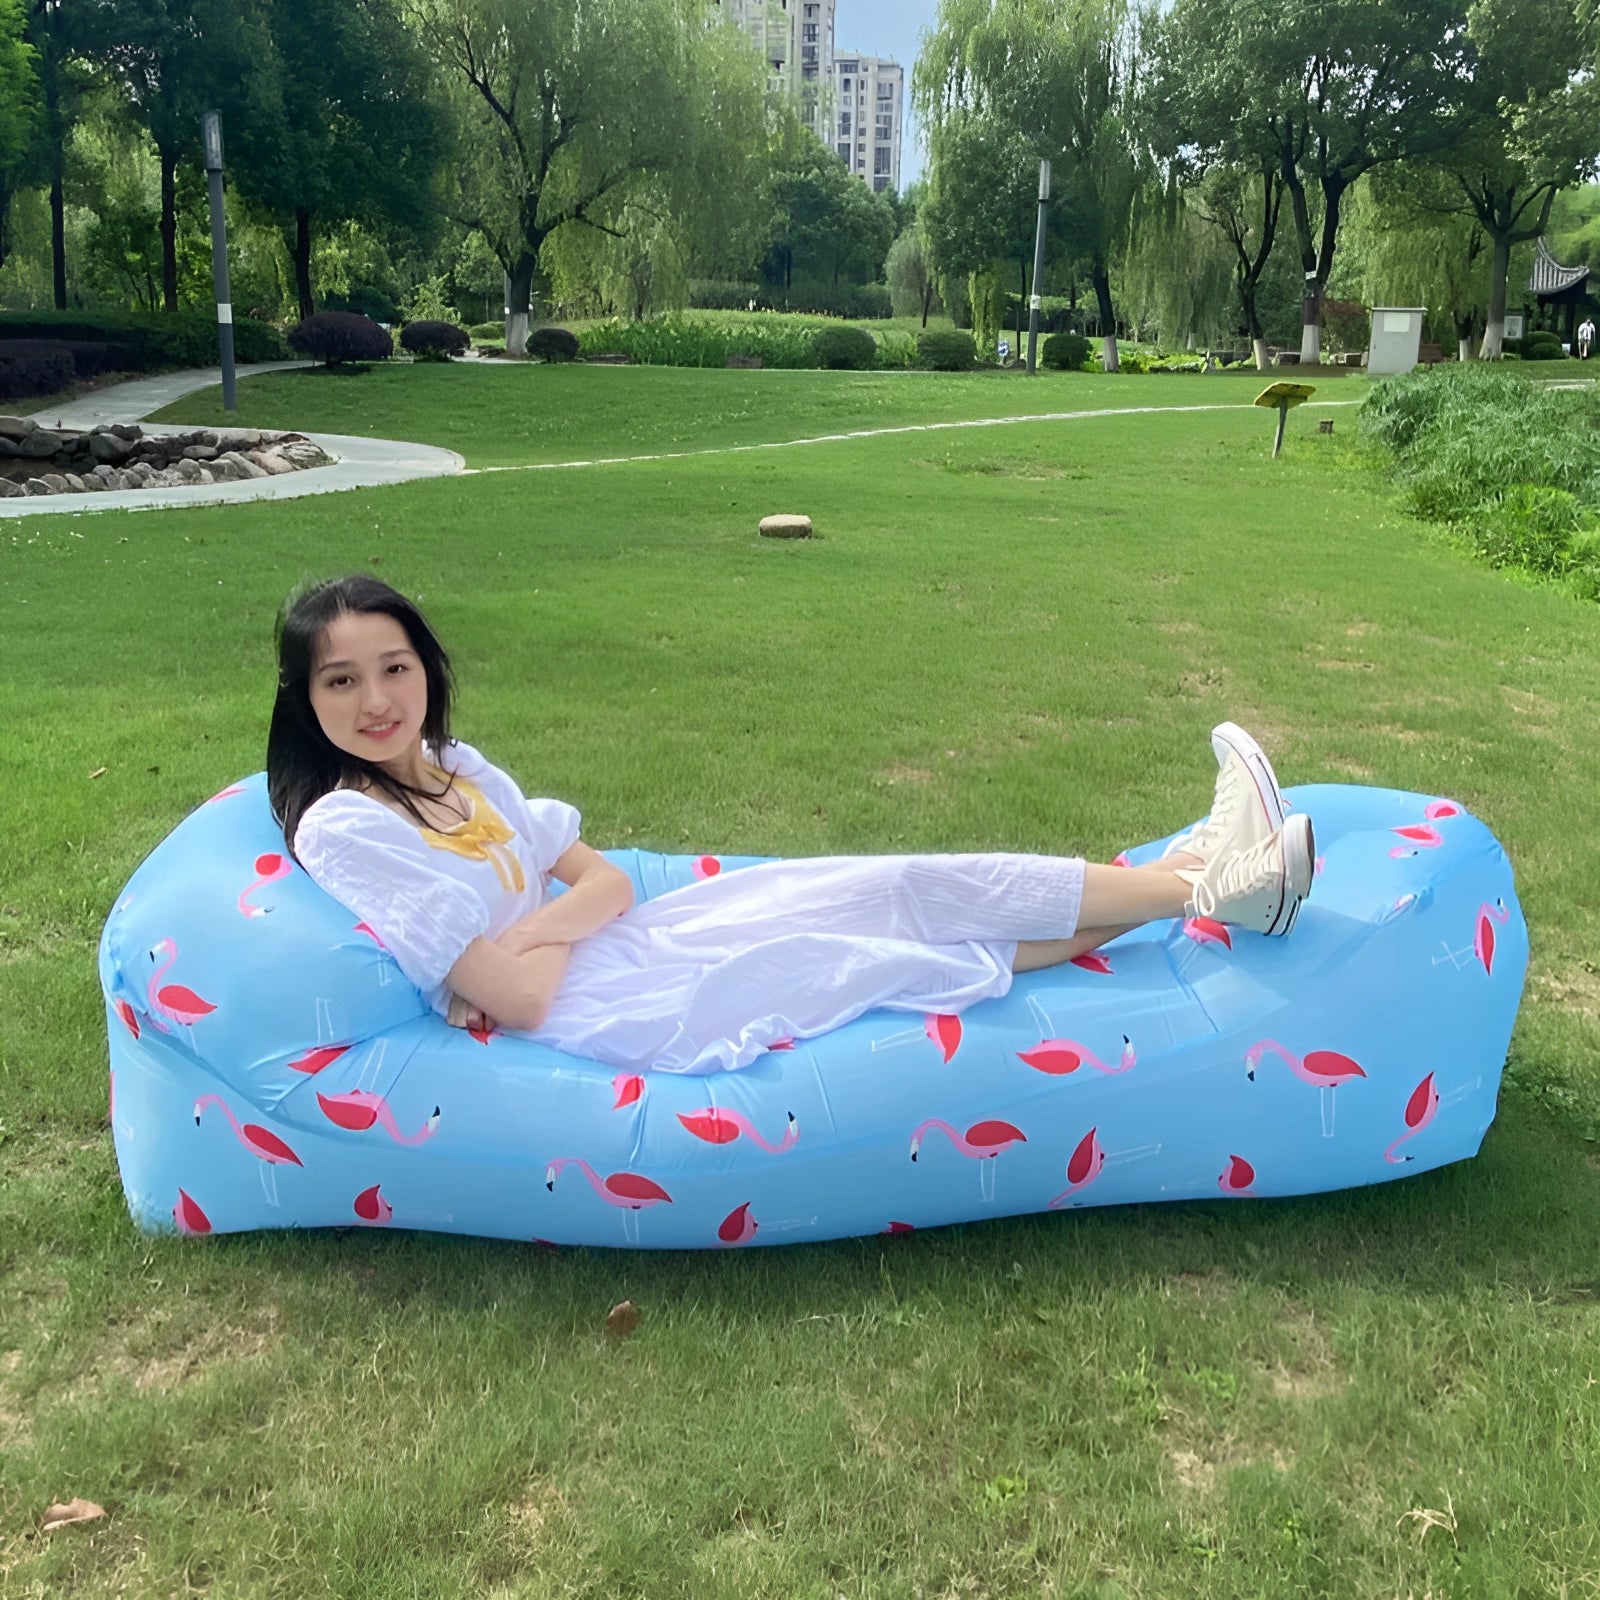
(197,1113)
(1128,1057)
(550,1178)
(916,1144)
(162,947)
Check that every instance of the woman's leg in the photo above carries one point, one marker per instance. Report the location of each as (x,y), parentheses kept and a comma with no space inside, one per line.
(1034,954)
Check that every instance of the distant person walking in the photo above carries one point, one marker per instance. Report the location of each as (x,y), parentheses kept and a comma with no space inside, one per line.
(1585,337)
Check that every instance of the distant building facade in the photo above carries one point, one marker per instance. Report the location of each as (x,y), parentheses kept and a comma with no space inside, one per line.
(854,103)
(869,103)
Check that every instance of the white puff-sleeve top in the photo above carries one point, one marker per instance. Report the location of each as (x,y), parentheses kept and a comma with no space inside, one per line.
(428,893)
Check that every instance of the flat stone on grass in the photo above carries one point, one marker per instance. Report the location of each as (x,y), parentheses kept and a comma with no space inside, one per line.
(786,526)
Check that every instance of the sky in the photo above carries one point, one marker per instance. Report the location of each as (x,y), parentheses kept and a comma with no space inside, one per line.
(889,28)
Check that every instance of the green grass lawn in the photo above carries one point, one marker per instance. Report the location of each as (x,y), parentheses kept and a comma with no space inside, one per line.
(1003,638)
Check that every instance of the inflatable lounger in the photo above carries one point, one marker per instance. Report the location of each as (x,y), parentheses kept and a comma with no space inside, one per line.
(272,1068)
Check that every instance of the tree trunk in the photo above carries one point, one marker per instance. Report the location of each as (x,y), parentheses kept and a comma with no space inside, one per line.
(1495,331)
(927,297)
(169,230)
(302,262)
(520,284)
(1263,356)
(1108,319)
(58,241)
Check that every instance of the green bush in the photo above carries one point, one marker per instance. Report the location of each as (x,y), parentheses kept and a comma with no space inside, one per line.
(674,341)
(845,349)
(553,344)
(714,294)
(1542,346)
(947,350)
(897,348)
(1529,527)
(434,341)
(1133,361)
(151,341)
(1066,352)
(492,332)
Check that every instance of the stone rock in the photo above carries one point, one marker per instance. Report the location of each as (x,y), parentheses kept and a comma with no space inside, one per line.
(8,448)
(74,483)
(188,470)
(10,488)
(241,464)
(38,486)
(223,470)
(55,483)
(301,453)
(17,427)
(93,482)
(200,452)
(270,462)
(108,447)
(786,526)
(40,443)
(237,439)
(106,475)
(126,430)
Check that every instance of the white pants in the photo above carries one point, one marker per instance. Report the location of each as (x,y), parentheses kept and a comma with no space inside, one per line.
(707,977)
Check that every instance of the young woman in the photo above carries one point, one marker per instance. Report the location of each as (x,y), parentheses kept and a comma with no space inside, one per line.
(442,855)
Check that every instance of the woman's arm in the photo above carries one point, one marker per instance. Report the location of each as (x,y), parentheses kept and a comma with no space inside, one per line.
(516,991)
(597,893)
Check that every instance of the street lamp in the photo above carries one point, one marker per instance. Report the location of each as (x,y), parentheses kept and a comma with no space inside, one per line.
(211,138)
(1038,264)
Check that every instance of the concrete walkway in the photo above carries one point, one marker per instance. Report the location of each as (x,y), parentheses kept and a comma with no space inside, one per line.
(357,463)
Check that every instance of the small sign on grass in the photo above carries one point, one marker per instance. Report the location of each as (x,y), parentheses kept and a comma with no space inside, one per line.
(1281,397)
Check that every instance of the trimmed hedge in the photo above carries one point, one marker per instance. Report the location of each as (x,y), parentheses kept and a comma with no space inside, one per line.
(436,341)
(845,349)
(490,332)
(1542,346)
(553,344)
(1066,352)
(148,342)
(947,350)
(33,366)
(339,336)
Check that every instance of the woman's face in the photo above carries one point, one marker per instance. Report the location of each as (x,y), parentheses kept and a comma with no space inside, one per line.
(369,690)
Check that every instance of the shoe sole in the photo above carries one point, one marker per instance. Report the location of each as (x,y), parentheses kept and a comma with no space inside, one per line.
(1299,866)
(1230,736)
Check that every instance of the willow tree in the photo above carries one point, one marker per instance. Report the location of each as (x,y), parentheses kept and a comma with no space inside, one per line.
(1060,76)
(585,116)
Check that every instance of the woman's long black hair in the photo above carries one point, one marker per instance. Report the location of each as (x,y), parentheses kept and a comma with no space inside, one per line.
(303,764)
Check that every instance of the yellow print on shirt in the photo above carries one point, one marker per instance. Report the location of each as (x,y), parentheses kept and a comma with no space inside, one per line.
(484,836)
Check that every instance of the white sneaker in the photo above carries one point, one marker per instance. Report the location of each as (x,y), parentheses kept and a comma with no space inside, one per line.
(1248,805)
(1260,888)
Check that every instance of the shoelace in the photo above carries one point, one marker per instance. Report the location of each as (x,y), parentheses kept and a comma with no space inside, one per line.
(1236,876)
(1232,778)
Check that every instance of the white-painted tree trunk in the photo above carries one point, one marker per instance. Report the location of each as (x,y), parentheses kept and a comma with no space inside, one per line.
(517,333)
(1263,359)
(1310,344)
(1464,349)
(1108,353)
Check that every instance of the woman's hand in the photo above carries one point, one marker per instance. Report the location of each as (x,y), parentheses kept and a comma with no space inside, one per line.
(463,1014)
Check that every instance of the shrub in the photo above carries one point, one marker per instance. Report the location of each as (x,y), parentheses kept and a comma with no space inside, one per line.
(1542,346)
(33,366)
(947,350)
(338,336)
(1133,361)
(1529,527)
(897,349)
(847,349)
(674,341)
(434,341)
(148,342)
(710,294)
(494,332)
(1066,352)
(553,344)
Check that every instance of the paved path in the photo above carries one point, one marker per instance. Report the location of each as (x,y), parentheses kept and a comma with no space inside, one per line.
(358,463)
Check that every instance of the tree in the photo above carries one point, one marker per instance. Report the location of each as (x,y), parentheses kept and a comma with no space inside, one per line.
(561,110)
(1061,76)
(1245,205)
(1528,129)
(828,224)
(1326,90)
(19,107)
(176,60)
(53,37)
(343,124)
(913,283)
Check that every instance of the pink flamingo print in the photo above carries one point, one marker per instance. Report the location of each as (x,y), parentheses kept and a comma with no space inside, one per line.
(630,1192)
(1120,859)
(1421,1108)
(270,868)
(1324,1069)
(222,794)
(130,1017)
(1319,866)
(942,1029)
(371,933)
(982,1142)
(356,1110)
(1483,933)
(722,1125)
(1094,961)
(370,1206)
(1089,1160)
(1207,930)
(1237,1176)
(1420,835)
(191,1220)
(1440,808)
(257,1140)
(738,1227)
(1060,1056)
(628,1087)
(705,866)
(900,1227)
(315,1060)
(482,1035)
(174,1000)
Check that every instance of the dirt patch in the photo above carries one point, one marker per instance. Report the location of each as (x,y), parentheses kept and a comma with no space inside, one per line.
(1205,684)
(1575,988)
(1001,467)
(534,1512)
(1192,1471)
(1341,664)
(897,773)
(16,1427)
(1312,1371)
(1354,770)
(1177,625)
(1359,630)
